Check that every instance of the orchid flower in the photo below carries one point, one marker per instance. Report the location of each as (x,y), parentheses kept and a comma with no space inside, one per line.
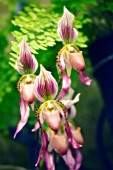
(26,65)
(54,113)
(69,56)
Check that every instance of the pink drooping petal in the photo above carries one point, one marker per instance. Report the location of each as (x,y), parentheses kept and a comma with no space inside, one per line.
(23,106)
(24,111)
(43,150)
(72,162)
(65,28)
(84,79)
(46,86)
(28,62)
(49,159)
(71,139)
(37,126)
(69,160)
(66,83)
(78,159)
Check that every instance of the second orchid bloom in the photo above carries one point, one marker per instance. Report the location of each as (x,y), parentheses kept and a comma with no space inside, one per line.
(69,56)
(53,114)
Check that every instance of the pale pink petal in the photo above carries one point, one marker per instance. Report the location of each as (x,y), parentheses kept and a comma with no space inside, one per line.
(46,86)
(69,160)
(69,103)
(49,159)
(78,159)
(73,163)
(25,111)
(66,83)
(72,112)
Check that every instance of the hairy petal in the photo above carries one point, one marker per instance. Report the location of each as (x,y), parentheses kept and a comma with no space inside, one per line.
(49,161)
(27,60)
(43,150)
(65,28)
(46,86)
(24,111)
(66,83)
(71,139)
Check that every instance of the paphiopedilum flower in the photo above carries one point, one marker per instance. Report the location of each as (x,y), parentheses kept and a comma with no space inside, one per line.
(69,56)
(26,65)
(55,114)
(25,87)
(26,62)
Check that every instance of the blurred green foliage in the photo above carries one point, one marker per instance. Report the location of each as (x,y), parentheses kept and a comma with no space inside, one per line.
(39,25)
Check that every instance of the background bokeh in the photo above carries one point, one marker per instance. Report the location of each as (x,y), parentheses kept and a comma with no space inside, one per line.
(37,20)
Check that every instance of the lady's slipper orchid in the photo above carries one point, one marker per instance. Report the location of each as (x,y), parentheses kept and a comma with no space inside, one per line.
(26,63)
(25,87)
(54,113)
(69,56)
